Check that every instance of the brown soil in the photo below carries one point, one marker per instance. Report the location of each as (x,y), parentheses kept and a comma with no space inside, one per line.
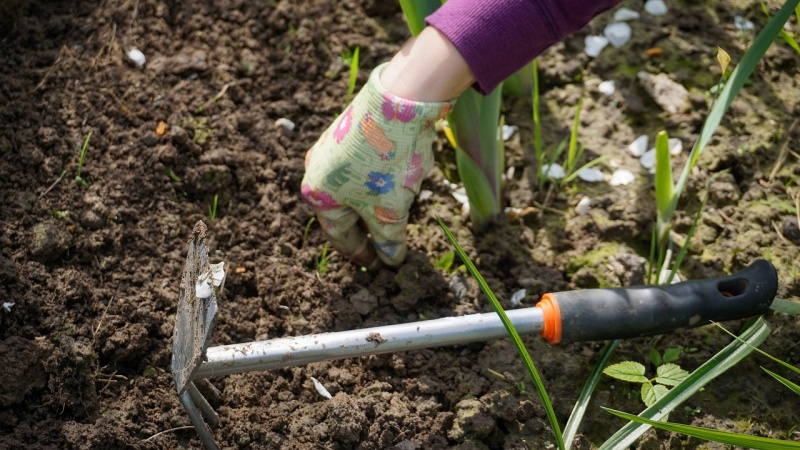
(93,270)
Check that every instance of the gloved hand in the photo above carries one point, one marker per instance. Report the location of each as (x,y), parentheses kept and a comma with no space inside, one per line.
(366,169)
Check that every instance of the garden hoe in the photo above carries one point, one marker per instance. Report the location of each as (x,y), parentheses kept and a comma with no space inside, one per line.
(584,315)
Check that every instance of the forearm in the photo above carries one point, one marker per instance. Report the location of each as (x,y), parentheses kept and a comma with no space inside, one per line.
(497,37)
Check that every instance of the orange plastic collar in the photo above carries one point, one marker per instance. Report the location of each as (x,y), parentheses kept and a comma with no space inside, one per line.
(552,318)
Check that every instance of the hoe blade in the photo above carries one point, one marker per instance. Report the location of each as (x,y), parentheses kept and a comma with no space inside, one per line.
(194,319)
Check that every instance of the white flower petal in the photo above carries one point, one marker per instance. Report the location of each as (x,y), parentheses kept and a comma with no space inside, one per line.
(460,195)
(137,57)
(593,45)
(584,206)
(202,289)
(622,177)
(675,146)
(656,7)
(648,160)
(516,297)
(321,389)
(285,123)
(217,273)
(591,175)
(553,171)
(7,306)
(625,14)
(508,131)
(639,146)
(618,34)
(743,24)
(607,87)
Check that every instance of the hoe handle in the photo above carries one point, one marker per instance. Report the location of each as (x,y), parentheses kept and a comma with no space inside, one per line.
(600,314)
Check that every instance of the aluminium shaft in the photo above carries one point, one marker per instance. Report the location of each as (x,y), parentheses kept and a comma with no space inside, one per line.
(300,350)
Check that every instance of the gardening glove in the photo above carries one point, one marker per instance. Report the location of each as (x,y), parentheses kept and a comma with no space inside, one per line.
(366,169)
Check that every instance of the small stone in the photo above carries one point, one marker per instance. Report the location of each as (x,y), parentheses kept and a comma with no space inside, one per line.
(670,95)
(48,241)
(790,229)
(364,302)
(189,60)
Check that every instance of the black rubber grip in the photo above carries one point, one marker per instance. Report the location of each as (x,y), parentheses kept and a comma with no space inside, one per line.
(600,314)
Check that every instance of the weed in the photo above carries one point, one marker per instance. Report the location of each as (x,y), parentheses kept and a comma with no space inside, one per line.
(351,60)
(323,260)
(200,128)
(308,228)
(445,262)
(81,158)
(172,176)
(212,208)
(653,389)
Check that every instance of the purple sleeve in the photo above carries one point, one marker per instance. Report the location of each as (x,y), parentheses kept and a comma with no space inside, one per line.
(498,37)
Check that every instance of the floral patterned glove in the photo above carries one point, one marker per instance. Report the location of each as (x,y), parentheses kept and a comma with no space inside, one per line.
(366,169)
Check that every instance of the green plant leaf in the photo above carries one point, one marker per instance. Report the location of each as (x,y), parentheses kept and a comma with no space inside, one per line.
(627,371)
(724,59)
(655,357)
(651,393)
(670,374)
(786,306)
(714,367)
(672,354)
(793,386)
(445,262)
(724,437)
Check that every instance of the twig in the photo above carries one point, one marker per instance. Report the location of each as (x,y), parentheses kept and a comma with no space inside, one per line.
(784,150)
(219,94)
(100,323)
(108,46)
(53,185)
(187,427)
(549,209)
(780,235)
(64,49)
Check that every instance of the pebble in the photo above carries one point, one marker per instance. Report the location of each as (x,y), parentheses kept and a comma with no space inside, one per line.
(670,95)
(137,57)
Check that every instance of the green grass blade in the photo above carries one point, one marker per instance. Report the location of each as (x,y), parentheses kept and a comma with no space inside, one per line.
(351,85)
(737,79)
(572,153)
(588,165)
(793,386)
(724,437)
(579,410)
(415,12)
(665,189)
(786,36)
(537,120)
(717,365)
(761,352)
(523,352)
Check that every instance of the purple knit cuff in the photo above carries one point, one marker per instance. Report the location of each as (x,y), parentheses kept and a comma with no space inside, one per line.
(498,37)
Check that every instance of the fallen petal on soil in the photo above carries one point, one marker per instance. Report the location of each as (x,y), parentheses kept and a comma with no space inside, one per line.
(622,177)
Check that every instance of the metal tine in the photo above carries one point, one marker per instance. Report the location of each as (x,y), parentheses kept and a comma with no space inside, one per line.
(194,416)
(210,415)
